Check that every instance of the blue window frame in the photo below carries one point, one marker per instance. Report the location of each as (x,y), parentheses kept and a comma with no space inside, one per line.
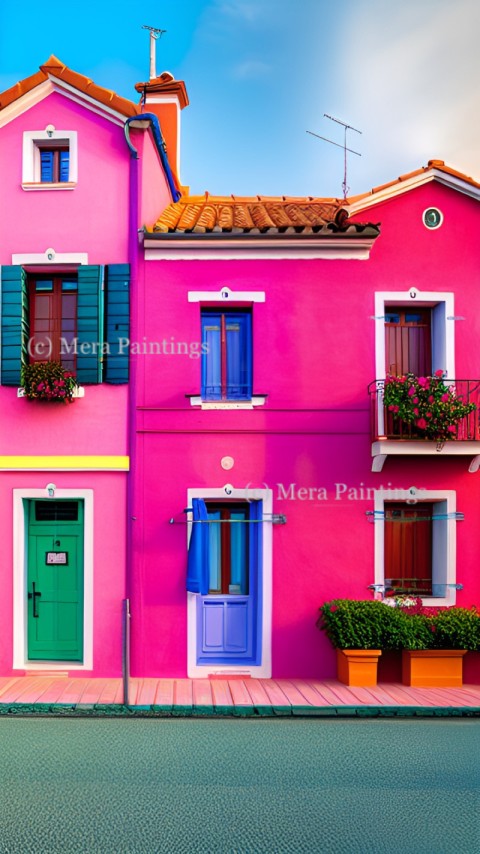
(54,165)
(226,355)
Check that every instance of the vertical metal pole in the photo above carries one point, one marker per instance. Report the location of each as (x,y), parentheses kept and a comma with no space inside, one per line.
(126,649)
(153,37)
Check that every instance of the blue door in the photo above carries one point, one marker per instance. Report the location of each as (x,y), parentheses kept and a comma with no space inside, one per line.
(229,600)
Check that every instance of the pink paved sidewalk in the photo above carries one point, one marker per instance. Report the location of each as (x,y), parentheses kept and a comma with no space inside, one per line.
(223,695)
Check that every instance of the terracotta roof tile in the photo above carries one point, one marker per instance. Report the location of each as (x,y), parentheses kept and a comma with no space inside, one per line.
(249,214)
(55,68)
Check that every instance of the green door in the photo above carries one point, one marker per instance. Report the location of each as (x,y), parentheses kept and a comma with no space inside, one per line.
(55,580)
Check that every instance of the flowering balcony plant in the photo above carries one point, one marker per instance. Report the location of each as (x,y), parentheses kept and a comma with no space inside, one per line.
(429,404)
(48,381)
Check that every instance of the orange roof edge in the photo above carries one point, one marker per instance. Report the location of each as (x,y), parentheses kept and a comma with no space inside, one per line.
(439,165)
(54,67)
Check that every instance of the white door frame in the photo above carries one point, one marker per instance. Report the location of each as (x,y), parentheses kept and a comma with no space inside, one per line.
(20,563)
(263,670)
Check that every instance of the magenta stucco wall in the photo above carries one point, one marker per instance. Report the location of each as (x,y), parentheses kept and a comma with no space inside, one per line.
(314,355)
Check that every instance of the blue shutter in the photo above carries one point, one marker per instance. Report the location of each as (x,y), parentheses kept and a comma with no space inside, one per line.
(211,359)
(198,551)
(89,328)
(239,356)
(14,324)
(46,166)
(117,323)
(64,165)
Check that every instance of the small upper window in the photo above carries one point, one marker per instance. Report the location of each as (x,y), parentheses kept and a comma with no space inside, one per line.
(226,355)
(49,159)
(54,164)
(432,218)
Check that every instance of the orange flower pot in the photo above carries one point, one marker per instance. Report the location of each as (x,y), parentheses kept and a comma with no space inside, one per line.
(433,668)
(358,667)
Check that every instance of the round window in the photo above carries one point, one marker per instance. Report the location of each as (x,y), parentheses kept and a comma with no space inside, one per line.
(432,218)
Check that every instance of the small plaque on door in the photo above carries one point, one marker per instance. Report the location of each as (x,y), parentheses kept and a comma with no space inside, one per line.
(56,558)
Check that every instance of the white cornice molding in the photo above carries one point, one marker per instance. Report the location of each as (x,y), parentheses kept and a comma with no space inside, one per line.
(230,250)
(393,190)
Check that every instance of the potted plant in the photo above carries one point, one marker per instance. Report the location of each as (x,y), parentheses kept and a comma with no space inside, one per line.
(359,630)
(48,381)
(435,641)
(429,405)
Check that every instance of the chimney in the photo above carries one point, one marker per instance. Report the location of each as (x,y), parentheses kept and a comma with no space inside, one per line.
(166,97)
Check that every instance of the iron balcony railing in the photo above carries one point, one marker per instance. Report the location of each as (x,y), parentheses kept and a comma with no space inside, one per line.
(386,425)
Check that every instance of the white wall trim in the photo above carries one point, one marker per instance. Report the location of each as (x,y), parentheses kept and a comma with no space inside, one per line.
(264,670)
(444,537)
(50,257)
(20,647)
(226,295)
(31,154)
(257,249)
(410,298)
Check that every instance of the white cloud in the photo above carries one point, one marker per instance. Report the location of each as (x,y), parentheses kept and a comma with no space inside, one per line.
(251,69)
(411,82)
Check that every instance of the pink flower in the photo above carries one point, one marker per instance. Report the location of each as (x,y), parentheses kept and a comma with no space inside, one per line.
(451,428)
(411,390)
(422,381)
(40,386)
(431,398)
(428,415)
(439,373)
(415,411)
(444,398)
(415,399)
(421,423)
(333,608)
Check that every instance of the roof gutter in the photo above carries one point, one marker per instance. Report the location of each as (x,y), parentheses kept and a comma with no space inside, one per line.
(159,141)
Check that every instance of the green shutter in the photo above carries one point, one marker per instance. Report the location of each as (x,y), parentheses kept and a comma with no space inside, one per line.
(117,323)
(89,328)
(14,324)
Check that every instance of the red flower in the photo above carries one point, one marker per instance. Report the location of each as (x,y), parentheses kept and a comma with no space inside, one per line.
(415,411)
(411,390)
(333,608)
(422,423)
(439,373)
(422,381)
(444,398)
(431,398)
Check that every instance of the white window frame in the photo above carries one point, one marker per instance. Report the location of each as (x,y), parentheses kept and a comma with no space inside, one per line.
(443,326)
(31,158)
(444,548)
(263,670)
(20,567)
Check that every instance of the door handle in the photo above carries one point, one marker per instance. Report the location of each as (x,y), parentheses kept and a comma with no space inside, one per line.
(33,595)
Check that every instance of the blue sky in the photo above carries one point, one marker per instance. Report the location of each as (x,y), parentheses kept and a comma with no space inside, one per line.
(260,73)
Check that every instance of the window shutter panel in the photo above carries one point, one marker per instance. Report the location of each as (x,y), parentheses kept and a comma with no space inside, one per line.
(46,166)
(14,324)
(89,327)
(198,551)
(64,166)
(239,356)
(117,323)
(211,357)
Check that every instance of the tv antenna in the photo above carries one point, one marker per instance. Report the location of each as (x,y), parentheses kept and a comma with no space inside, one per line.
(346,127)
(154,35)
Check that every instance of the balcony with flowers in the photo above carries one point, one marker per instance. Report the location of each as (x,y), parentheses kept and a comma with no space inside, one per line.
(425,415)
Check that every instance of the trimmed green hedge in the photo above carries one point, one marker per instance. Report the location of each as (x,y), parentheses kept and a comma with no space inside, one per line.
(360,624)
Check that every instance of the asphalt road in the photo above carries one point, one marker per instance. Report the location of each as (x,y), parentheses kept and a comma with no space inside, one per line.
(114,786)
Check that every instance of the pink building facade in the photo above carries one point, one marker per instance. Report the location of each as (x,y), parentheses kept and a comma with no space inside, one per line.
(274,437)
(229,463)
(65,257)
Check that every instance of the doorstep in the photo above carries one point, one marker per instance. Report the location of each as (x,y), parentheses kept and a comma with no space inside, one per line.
(46,694)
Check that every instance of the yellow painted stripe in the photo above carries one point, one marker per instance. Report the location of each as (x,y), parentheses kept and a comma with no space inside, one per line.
(46,463)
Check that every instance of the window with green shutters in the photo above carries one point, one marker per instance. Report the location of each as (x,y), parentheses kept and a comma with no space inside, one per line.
(99,346)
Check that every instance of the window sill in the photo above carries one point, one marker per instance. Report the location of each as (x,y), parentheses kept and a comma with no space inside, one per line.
(256,400)
(43,185)
(79,392)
